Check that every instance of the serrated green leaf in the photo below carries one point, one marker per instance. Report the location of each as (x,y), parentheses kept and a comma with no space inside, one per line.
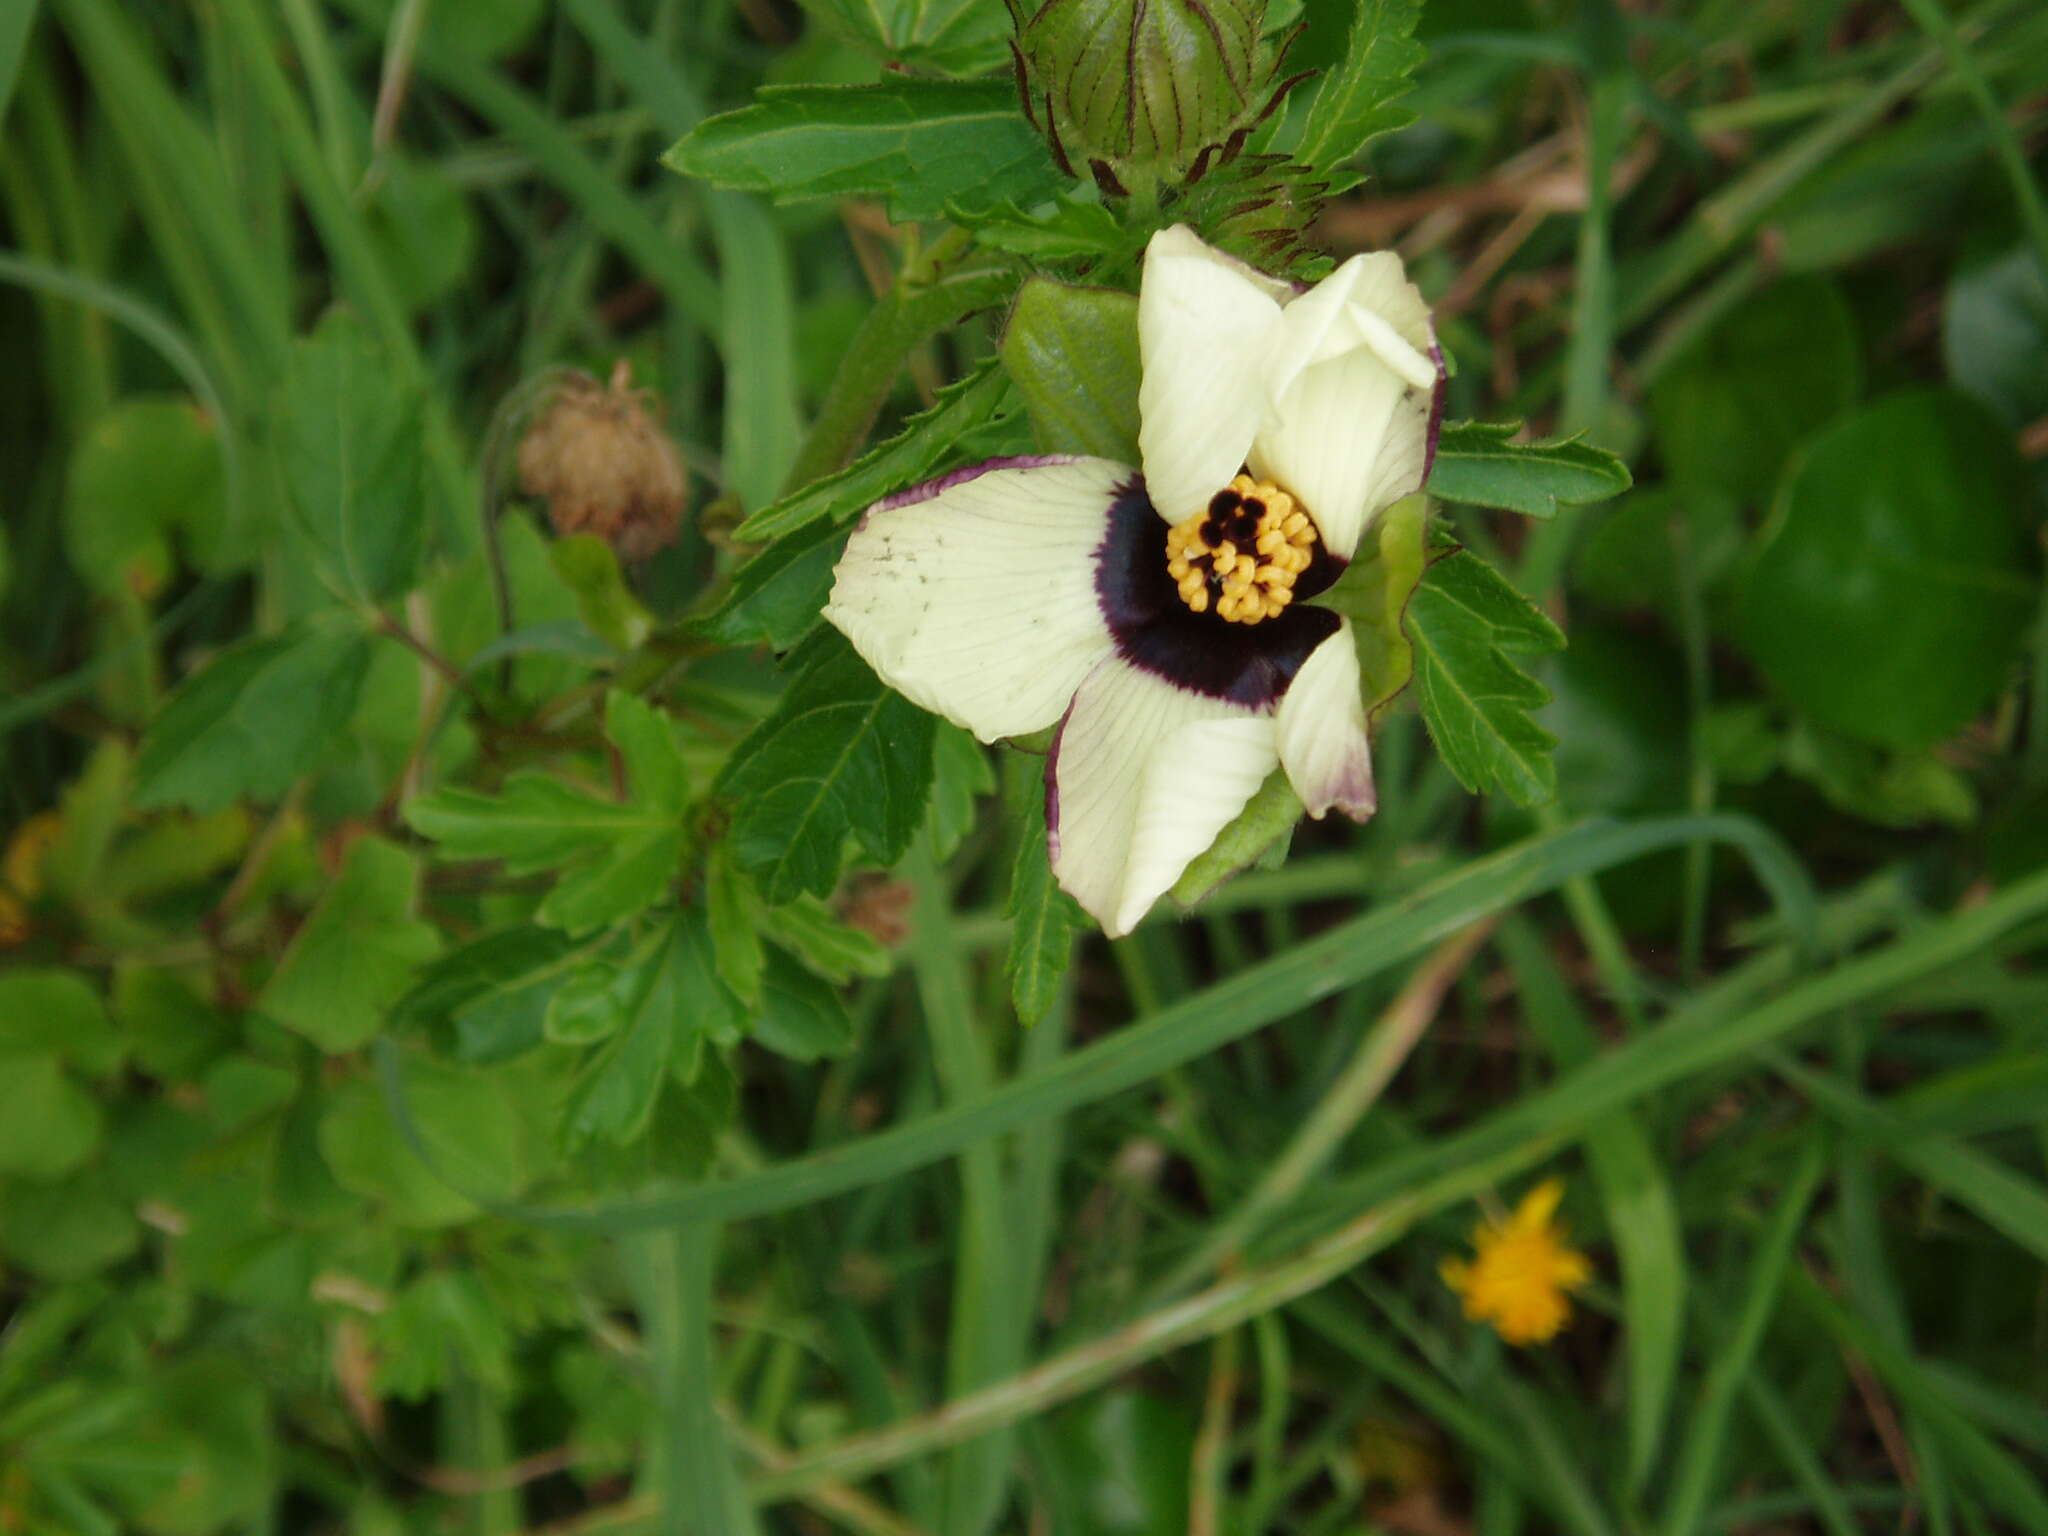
(621,857)
(256,718)
(1478,465)
(352,459)
(835,950)
(911,455)
(356,953)
(589,1004)
(1044,919)
(734,914)
(843,757)
(1354,102)
(1464,623)
(671,1003)
(778,597)
(1073,354)
(802,1016)
(919,145)
(487,1000)
(1070,231)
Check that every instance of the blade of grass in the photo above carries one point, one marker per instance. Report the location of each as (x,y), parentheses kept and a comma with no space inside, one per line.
(1204,1315)
(1293,981)
(1699,1453)
(2012,1203)
(1380,1054)
(983,1342)
(1641,1216)
(698,1485)
(758,322)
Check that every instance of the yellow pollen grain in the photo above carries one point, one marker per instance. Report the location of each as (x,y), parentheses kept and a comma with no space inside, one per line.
(1251,584)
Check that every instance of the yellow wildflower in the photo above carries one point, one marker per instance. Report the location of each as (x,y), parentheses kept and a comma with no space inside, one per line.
(1518,1280)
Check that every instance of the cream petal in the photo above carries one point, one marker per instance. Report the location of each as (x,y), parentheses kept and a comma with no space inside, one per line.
(1322,736)
(1368,302)
(1144,776)
(975,597)
(1205,327)
(1351,382)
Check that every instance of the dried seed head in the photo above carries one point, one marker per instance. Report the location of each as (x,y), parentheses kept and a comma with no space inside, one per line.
(599,457)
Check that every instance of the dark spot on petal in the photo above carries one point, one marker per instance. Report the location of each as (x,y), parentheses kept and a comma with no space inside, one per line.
(1248,664)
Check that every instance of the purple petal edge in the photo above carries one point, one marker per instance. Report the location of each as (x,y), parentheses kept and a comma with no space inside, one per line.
(953,477)
(1436,411)
(1052,789)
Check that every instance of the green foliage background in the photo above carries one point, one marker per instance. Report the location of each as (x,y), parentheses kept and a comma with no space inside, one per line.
(494,1042)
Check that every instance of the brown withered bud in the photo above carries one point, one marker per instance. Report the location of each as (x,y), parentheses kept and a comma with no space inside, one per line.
(600,459)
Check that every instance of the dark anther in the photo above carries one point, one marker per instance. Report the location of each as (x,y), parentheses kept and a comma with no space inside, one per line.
(1223,503)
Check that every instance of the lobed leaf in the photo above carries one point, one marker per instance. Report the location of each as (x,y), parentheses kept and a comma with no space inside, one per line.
(1354,102)
(1477,465)
(254,720)
(843,757)
(352,456)
(1464,623)
(1044,920)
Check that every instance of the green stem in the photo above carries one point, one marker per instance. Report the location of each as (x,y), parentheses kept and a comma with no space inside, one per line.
(916,307)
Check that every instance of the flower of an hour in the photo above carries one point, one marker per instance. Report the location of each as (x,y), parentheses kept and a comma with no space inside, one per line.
(1522,1271)
(1159,615)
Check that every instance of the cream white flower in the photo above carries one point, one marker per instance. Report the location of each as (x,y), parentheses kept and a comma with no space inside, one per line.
(1160,618)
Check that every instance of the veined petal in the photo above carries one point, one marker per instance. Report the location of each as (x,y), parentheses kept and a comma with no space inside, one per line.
(975,597)
(1143,776)
(1321,726)
(1206,324)
(1368,302)
(1352,379)
(1349,439)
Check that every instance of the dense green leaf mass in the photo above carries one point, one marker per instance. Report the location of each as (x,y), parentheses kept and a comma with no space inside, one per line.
(352,456)
(149,466)
(253,719)
(843,758)
(1895,580)
(1465,622)
(356,952)
(921,146)
(616,857)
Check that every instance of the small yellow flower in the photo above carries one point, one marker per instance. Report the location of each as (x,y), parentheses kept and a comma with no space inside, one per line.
(1522,1270)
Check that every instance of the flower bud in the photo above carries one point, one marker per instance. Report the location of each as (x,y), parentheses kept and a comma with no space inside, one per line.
(602,462)
(1137,92)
